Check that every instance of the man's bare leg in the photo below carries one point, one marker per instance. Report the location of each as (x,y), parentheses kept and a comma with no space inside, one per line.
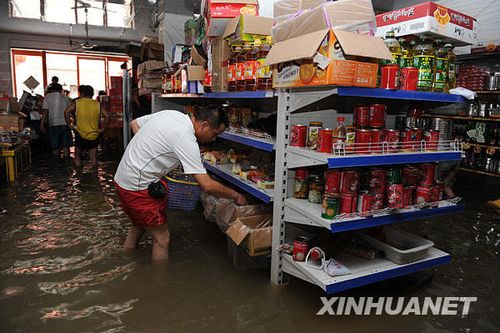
(93,157)
(78,162)
(133,238)
(161,240)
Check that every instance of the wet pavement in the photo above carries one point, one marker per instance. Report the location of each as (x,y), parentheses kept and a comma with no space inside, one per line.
(62,268)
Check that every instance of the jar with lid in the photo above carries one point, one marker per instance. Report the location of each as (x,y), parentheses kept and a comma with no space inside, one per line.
(315,189)
(301,190)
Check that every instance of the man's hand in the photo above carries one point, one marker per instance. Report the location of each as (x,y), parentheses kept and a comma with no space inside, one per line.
(240,200)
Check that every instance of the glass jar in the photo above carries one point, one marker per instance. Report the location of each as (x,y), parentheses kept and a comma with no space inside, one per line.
(301,190)
(315,189)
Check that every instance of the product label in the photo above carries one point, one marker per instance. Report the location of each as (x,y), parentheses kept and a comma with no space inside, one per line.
(231,74)
(404,61)
(250,70)
(451,72)
(425,66)
(240,71)
(263,72)
(441,73)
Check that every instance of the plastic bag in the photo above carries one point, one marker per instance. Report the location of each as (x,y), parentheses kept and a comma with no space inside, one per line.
(228,212)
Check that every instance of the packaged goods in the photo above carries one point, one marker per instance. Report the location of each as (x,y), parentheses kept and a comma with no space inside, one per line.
(312,134)
(330,206)
(424,58)
(348,203)
(298,135)
(361,116)
(300,248)
(365,202)
(301,189)
(451,78)
(431,19)
(315,59)
(395,196)
(248,29)
(442,66)
(325,140)
(315,189)
(218,13)
(332,181)
(393,46)
(406,53)
(349,182)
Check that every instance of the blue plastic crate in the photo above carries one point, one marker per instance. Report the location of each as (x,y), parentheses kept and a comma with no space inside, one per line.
(183,194)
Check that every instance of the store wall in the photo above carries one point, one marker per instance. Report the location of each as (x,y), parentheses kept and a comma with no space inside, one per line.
(27,33)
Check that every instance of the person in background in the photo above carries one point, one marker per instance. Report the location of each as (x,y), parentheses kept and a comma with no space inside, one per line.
(53,107)
(141,105)
(83,116)
(162,141)
(55,80)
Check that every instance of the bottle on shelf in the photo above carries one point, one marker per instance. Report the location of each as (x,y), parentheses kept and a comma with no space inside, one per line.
(405,58)
(451,78)
(393,46)
(423,59)
(441,67)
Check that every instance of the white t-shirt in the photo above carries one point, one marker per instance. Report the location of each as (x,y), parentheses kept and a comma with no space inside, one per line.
(56,103)
(164,139)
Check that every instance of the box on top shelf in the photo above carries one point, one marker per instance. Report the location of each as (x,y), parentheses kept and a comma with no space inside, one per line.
(485,47)
(432,19)
(288,7)
(349,15)
(191,79)
(219,12)
(327,57)
(219,56)
(245,28)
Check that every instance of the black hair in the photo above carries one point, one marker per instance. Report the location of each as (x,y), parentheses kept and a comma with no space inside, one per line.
(87,91)
(55,78)
(214,115)
(56,87)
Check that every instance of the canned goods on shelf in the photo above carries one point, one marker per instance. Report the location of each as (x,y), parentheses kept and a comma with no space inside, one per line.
(349,182)
(325,140)
(330,206)
(298,136)
(348,203)
(395,196)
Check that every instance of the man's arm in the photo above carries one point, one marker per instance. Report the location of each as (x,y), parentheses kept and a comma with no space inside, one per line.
(43,121)
(215,188)
(134,126)
(70,110)
(105,115)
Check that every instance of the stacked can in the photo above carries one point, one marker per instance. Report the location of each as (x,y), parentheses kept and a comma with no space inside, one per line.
(394,188)
(370,132)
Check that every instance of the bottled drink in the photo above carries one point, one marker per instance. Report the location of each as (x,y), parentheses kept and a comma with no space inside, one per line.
(451,79)
(339,132)
(423,60)
(405,59)
(393,46)
(441,67)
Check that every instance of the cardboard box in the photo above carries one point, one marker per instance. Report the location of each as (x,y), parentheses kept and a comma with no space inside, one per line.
(191,78)
(349,15)
(289,7)
(219,56)
(196,58)
(327,57)
(432,19)
(9,122)
(152,51)
(253,232)
(152,65)
(150,83)
(242,29)
(485,47)
(219,12)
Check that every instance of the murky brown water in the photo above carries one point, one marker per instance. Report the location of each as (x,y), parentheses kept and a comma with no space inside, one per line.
(62,269)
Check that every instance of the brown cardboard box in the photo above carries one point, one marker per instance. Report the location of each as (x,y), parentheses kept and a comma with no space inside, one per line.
(196,57)
(219,56)
(9,122)
(316,59)
(152,51)
(148,66)
(289,7)
(255,232)
(242,28)
(350,15)
(150,83)
(219,12)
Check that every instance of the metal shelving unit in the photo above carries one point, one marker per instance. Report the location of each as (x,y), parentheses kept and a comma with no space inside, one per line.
(258,143)
(497,119)
(290,210)
(226,95)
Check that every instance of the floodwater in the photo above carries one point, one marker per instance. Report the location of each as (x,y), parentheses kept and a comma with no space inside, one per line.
(62,269)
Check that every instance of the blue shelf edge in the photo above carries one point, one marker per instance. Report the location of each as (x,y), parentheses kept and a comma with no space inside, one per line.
(248,141)
(372,160)
(233,180)
(399,94)
(394,218)
(242,94)
(389,274)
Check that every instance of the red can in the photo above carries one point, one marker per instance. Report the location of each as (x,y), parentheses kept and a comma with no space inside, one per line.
(361,116)
(410,175)
(409,78)
(300,248)
(365,202)
(325,140)
(431,138)
(378,201)
(419,136)
(378,137)
(408,196)
(408,139)
(363,141)
(423,194)
(299,136)
(389,76)
(349,182)
(348,203)
(332,181)
(377,115)
(392,139)
(427,174)
(395,196)
(436,193)
(377,180)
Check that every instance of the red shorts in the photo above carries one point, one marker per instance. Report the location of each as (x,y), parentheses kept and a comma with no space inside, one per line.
(142,210)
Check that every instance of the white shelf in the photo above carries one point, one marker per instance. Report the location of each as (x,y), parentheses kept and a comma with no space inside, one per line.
(363,271)
(301,211)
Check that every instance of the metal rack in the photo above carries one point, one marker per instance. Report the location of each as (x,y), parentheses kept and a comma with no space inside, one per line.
(289,210)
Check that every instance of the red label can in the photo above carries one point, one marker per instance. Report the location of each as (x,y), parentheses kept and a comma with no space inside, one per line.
(395,196)
(408,196)
(378,137)
(410,175)
(427,173)
(348,203)
(378,201)
(299,136)
(377,115)
(361,116)
(419,136)
(415,113)
(392,139)
(423,194)
(363,141)
(409,78)
(349,182)
(365,202)
(300,248)
(431,138)
(332,181)
(408,138)
(325,140)
(389,76)
(377,180)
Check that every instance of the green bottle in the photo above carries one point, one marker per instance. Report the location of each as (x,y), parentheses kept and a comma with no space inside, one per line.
(423,60)
(451,80)
(441,67)
(405,59)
